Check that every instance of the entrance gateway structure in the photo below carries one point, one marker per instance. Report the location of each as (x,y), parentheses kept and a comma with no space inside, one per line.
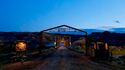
(64,35)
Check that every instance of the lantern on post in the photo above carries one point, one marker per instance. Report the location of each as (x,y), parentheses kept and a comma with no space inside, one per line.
(20,48)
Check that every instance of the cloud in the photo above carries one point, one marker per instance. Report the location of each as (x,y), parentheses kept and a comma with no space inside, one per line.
(117,21)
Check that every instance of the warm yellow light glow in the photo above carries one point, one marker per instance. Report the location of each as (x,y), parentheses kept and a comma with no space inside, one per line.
(106,46)
(94,46)
(21,46)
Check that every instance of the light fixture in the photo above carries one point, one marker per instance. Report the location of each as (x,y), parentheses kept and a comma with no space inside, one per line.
(21,46)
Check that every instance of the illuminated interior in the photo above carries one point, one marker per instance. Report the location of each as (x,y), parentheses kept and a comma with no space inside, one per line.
(62,41)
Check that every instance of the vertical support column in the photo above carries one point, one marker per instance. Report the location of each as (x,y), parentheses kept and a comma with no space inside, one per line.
(86,42)
(55,42)
(41,43)
(70,43)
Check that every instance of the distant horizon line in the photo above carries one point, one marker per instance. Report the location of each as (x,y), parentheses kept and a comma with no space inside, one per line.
(100,28)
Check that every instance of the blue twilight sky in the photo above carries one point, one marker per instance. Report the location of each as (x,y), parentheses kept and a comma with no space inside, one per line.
(36,15)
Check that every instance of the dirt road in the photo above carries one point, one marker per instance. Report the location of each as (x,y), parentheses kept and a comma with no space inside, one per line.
(64,59)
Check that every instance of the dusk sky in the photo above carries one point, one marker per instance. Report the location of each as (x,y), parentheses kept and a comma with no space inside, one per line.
(37,15)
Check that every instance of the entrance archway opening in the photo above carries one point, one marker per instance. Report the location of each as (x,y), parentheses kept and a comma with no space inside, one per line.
(62,41)
(65,36)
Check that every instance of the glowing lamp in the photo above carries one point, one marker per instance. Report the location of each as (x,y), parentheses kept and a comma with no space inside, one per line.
(20,46)
(54,43)
(106,46)
(94,46)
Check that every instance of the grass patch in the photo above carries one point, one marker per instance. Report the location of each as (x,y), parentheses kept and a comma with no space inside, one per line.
(118,52)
